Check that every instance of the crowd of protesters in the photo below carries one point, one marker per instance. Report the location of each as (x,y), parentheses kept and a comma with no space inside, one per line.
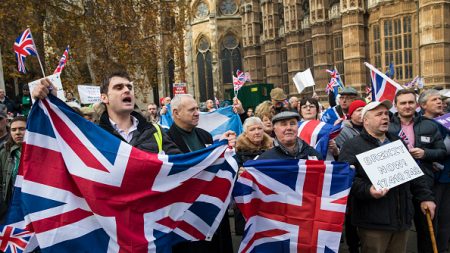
(376,220)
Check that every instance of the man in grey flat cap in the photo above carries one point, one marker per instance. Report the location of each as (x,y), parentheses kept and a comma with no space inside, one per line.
(346,97)
(287,143)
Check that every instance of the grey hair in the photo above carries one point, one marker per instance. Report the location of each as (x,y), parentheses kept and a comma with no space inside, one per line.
(176,101)
(251,121)
(292,99)
(425,95)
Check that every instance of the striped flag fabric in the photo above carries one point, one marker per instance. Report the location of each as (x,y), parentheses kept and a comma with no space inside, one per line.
(81,189)
(292,205)
(317,134)
(383,87)
(23,47)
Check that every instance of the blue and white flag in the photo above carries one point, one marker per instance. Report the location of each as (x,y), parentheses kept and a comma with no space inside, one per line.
(81,189)
(330,115)
(166,119)
(220,121)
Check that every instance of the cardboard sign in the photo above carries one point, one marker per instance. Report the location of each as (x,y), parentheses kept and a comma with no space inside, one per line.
(56,80)
(444,120)
(179,88)
(389,165)
(89,94)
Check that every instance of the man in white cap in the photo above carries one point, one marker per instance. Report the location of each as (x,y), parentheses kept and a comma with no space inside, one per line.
(383,217)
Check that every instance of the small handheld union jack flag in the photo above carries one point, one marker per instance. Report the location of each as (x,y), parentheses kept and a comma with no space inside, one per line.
(335,82)
(23,47)
(63,61)
(13,239)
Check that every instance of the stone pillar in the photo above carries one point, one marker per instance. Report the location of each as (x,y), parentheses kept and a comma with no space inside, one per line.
(272,47)
(434,42)
(251,30)
(295,48)
(354,43)
(321,41)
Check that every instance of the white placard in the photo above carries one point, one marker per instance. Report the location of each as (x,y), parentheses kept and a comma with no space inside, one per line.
(56,81)
(89,94)
(303,79)
(389,165)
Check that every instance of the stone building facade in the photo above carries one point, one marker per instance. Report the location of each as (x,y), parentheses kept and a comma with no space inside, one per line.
(274,39)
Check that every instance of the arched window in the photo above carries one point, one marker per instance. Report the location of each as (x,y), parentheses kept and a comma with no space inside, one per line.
(204,70)
(230,57)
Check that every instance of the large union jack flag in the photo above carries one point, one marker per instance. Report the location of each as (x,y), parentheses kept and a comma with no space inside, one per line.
(80,189)
(383,87)
(318,133)
(62,62)
(14,240)
(292,205)
(23,47)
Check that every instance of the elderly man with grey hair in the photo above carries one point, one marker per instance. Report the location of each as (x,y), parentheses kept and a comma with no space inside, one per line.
(293,104)
(188,137)
(432,106)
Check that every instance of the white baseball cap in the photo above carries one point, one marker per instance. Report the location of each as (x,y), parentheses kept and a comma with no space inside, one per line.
(375,104)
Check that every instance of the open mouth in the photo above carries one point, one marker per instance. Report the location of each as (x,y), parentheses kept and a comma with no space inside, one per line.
(126,100)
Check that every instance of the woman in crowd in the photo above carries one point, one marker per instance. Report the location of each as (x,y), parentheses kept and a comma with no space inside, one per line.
(9,161)
(264,111)
(250,144)
(309,109)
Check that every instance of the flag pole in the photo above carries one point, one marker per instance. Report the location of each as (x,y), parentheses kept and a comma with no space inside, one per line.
(37,54)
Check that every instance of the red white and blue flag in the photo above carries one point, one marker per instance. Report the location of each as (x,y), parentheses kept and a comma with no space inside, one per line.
(23,47)
(62,62)
(240,79)
(292,205)
(335,82)
(14,240)
(383,87)
(317,134)
(81,189)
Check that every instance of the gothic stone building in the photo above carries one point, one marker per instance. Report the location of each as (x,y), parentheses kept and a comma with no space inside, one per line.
(274,39)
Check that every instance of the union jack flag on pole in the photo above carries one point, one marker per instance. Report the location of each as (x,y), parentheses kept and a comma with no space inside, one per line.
(335,82)
(23,47)
(383,87)
(292,205)
(81,189)
(63,61)
(239,80)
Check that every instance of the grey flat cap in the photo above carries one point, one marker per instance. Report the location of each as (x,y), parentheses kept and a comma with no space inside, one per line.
(349,91)
(285,115)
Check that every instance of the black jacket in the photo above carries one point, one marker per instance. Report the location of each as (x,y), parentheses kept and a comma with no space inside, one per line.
(278,152)
(143,137)
(427,137)
(392,212)
(175,135)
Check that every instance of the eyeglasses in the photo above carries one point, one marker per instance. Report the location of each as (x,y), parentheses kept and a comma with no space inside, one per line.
(347,97)
(308,107)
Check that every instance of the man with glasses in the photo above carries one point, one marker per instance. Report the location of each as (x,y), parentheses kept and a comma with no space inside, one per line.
(346,97)
(119,118)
